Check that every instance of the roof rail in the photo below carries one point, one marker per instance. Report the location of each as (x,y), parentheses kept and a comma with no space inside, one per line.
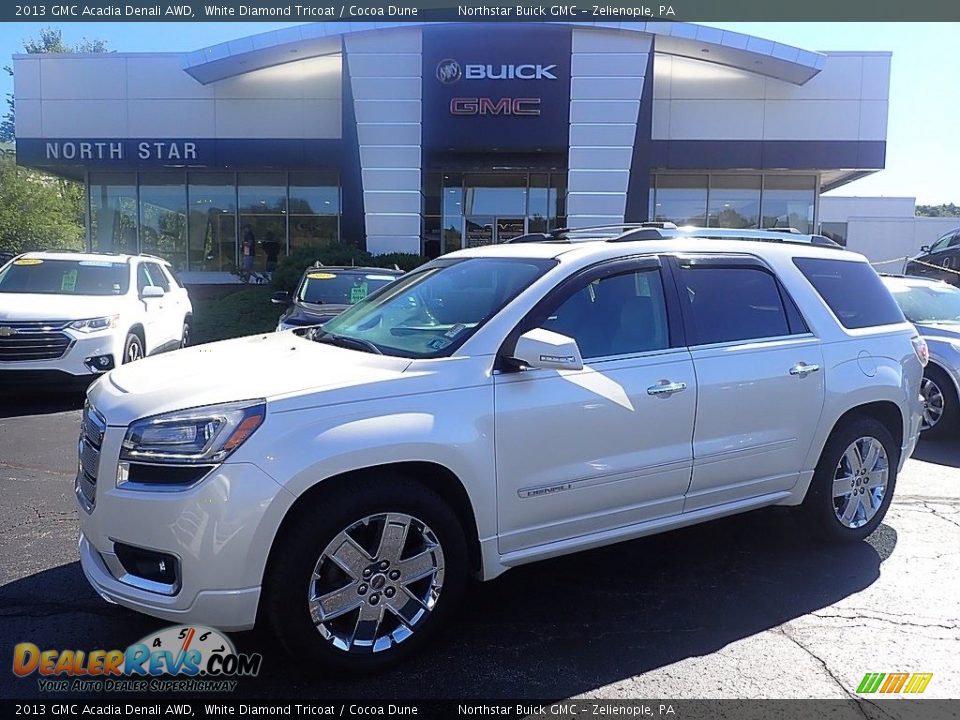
(560,233)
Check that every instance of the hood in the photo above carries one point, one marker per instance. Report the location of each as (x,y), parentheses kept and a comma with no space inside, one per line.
(39,306)
(947,331)
(263,366)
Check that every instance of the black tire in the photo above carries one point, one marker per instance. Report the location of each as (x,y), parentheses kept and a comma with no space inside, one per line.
(819,509)
(946,426)
(301,544)
(132,348)
(185,336)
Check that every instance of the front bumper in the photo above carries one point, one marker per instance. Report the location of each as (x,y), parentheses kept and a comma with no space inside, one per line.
(72,364)
(220,530)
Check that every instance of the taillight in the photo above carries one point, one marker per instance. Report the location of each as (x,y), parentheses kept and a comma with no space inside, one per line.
(920,347)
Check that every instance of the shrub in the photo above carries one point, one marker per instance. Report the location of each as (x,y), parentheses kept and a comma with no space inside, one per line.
(404,261)
(290,269)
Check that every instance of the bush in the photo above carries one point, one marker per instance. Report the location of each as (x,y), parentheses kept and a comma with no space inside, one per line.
(290,269)
(247,311)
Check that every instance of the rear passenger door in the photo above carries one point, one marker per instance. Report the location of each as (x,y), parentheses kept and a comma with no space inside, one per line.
(759,378)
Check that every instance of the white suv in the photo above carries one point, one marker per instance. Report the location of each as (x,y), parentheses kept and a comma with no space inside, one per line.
(71,316)
(494,407)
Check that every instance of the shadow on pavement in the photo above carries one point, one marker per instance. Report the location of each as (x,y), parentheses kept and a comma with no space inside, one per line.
(551,630)
(16,403)
(939,452)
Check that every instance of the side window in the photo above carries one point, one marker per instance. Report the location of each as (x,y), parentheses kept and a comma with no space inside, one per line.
(143,278)
(157,276)
(616,315)
(728,304)
(852,290)
(951,239)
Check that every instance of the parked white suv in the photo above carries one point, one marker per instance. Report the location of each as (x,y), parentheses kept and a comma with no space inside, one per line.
(495,407)
(72,316)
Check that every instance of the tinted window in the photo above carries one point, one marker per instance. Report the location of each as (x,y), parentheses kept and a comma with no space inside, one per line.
(853,290)
(732,303)
(157,276)
(617,315)
(949,240)
(65,277)
(927,303)
(333,287)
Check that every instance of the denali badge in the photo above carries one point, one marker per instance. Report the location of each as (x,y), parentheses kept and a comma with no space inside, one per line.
(448,71)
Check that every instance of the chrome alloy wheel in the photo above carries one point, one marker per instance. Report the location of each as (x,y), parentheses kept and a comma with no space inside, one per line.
(376,582)
(860,482)
(932,397)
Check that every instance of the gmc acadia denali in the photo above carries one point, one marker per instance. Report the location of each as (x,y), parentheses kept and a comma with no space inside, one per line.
(496,406)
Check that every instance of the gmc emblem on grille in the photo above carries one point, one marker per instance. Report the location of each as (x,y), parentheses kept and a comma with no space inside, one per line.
(7,331)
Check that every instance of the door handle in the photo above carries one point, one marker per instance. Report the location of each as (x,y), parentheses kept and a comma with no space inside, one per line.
(801,369)
(666,388)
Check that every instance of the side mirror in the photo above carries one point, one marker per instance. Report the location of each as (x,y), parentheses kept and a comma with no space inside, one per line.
(151,291)
(924,248)
(544,349)
(280,298)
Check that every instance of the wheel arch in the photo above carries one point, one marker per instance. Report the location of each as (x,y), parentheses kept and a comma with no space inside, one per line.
(431,475)
(886,412)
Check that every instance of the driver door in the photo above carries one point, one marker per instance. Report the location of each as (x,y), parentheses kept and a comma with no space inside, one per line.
(584,451)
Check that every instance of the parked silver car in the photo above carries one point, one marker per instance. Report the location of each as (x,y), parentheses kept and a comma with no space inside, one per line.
(934,307)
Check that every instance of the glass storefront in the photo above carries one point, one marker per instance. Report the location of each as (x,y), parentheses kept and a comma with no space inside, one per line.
(729,200)
(474,209)
(199,221)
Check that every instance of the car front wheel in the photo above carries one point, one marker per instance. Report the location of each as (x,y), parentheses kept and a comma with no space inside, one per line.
(854,481)
(367,579)
(132,348)
(940,405)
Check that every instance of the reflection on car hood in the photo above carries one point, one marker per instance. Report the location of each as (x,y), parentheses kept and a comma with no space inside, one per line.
(263,366)
(42,306)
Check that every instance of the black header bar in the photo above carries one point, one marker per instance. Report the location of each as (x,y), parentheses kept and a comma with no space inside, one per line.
(301,11)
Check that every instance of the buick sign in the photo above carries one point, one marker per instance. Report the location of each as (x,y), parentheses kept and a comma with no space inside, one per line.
(448,71)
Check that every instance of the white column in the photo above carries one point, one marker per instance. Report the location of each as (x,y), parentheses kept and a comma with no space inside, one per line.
(385,69)
(606,83)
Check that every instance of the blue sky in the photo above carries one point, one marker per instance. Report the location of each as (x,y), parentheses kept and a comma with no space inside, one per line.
(923,135)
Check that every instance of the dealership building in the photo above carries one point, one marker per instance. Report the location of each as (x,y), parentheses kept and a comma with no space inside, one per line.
(407,137)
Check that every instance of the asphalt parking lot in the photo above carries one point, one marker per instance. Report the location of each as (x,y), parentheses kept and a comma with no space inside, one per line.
(739,608)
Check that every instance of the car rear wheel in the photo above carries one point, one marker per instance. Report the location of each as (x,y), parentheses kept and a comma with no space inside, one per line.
(185,336)
(132,348)
(940,405)
(854,481)
(369,577)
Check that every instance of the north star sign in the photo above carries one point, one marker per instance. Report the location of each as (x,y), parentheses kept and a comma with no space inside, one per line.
(117,150)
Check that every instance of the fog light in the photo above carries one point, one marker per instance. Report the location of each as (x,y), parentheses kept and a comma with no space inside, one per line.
(99,363)
(149,565)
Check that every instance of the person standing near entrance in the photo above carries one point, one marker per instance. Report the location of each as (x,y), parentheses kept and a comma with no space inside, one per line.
(248,251)
(272,249)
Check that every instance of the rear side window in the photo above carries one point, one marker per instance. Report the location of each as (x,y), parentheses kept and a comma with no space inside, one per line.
(853,291)
(728,304)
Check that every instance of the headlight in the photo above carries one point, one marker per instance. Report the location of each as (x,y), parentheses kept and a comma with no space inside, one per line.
(95,324)
(202,435)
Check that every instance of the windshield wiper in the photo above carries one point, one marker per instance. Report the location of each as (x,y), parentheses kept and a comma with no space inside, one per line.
(348,342)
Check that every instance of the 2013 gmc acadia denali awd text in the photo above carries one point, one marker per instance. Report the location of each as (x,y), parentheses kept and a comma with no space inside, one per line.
(494,407)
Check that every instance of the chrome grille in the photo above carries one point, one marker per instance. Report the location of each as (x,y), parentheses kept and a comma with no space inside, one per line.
(32,340)
(92,428)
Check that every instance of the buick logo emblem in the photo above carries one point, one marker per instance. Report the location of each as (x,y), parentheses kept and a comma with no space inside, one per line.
(448,71)
(7,331)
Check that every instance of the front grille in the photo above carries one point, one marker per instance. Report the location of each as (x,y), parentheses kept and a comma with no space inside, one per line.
(92,428)
(32,340)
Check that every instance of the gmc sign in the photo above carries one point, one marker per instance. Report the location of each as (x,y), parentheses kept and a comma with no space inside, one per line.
(528,107)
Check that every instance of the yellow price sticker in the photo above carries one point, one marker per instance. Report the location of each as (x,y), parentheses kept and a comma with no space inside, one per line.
(321,276)
(28,261)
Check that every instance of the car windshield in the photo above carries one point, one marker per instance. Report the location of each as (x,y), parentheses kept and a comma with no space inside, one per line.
(338,287)
(65,277)
(928,303)
(433,310)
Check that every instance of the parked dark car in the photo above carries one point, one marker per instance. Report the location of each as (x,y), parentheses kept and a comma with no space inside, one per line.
(933,307)
(324,292)
(944,255)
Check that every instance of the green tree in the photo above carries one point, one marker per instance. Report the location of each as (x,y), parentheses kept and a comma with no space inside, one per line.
(942,210)
(38,211)
(50,40)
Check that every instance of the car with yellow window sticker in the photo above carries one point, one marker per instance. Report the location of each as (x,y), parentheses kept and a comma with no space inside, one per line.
(324,292)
